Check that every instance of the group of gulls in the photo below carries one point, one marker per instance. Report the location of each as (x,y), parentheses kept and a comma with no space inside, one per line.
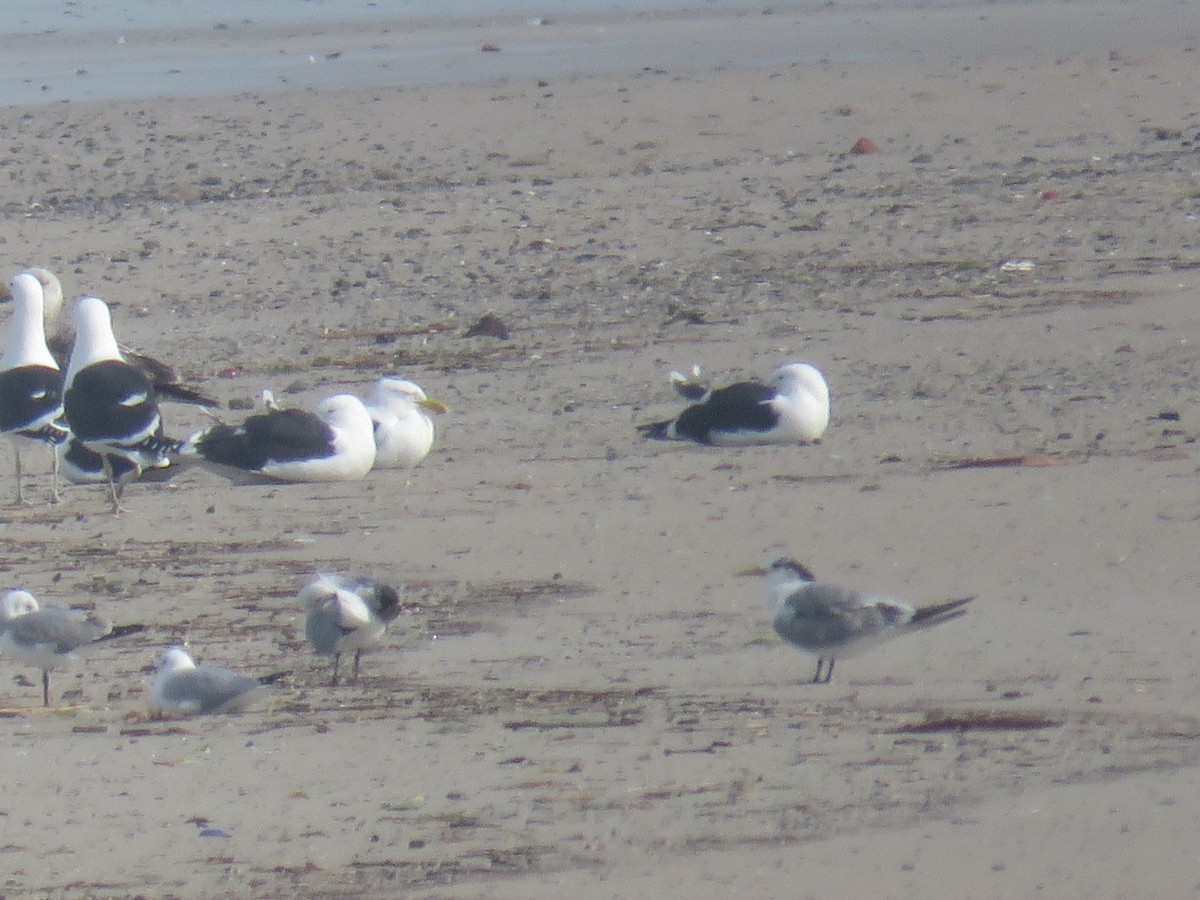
(102,419)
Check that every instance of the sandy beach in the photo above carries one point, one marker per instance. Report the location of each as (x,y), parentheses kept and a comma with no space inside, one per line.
(583,696)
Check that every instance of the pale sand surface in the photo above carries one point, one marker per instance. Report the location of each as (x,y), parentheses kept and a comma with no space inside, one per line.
(588,700)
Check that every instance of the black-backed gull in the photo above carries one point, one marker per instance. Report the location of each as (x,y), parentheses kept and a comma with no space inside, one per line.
(793,408)
(109,404)
(336,442)
(31,383)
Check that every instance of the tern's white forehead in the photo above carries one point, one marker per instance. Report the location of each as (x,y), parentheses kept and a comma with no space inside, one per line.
(174,658)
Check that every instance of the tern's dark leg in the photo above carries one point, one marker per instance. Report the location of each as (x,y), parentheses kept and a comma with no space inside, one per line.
(817,679)
(337,657)
(45,687)
(357,654)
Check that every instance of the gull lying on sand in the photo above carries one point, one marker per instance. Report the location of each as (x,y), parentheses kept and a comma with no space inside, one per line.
(336,442)
(793,408)
(832,621)
(182,688)
(404,430)
(347,614)
(50,637)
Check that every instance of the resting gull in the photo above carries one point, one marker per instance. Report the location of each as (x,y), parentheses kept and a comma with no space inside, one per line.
(347,614)
(110,405)
(50,637)
(31,383)
(333,443)
(793,408)
(183,688)
(832,621)
(400,411)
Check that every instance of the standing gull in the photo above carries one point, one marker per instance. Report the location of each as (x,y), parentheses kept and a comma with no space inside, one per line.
(404,430)
(50,637)
(31,383)
(183,688)
(831,621)
(110,405)
(334,443)
(793,408)
(347,614)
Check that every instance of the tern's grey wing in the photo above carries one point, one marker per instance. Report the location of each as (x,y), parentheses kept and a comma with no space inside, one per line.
(821,616)
(207,688)
(63,629)
(322,630)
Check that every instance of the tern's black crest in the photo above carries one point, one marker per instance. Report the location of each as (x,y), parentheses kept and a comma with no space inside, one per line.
(800,569)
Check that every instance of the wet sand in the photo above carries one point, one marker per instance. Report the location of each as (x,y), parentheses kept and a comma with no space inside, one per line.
(583,695)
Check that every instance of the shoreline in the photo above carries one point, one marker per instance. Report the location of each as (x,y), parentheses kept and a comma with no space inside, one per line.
(239,58)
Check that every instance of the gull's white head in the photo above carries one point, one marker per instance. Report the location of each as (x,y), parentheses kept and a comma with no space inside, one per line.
(17,603)
(355,433)
(404,431)
(25,340)
(175,659)
(399,394)
(346,412)
(805,399)
(94,338)
(389,389)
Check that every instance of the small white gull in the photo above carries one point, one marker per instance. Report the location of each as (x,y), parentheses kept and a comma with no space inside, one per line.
(50,637)
(404,431)
(832,621)
(333,443)
(31,383)
(346,614)
(793,408)
(110,405)
(183,688)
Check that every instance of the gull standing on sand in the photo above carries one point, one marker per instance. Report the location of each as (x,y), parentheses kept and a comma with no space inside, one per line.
(336,442)
(793,408)
(183,688)
(831,621)
(50,637)
(347,614)
(31,383)
(404,431)
(110,405)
